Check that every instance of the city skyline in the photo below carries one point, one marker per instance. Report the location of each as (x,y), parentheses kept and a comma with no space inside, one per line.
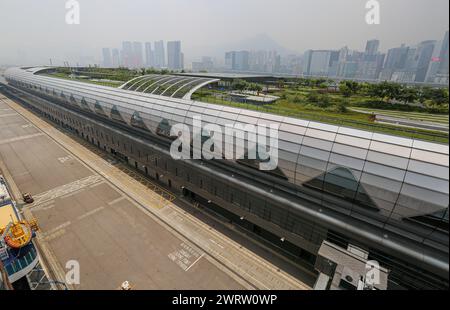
(424,62)
(144,55)
(202,37)
(225,148)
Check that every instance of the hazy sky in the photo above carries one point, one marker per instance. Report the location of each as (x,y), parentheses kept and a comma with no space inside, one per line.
(32,31)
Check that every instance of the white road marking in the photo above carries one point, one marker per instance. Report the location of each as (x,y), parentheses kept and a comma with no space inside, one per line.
(21,174)
(87,214)
(21,138)
(185,257)
(216,243)
(57,229)
(66,189)
(195,262)
(63,160)
(116,201)
(8,115)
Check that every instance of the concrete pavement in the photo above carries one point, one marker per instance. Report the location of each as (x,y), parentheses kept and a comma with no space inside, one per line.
(138,234)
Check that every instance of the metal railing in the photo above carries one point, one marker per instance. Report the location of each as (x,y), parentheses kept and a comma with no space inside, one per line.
(24,261)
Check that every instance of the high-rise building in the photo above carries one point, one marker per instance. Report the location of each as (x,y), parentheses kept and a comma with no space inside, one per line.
(127,54)
(174,55)
(149,55)
(401,65)
(404,76)
(347,69)
(237,60)
(410,60)
(370,69)
(160,55)
(307,62)
(182,60)
(322,62)
(435,63)
(291,64)
(344,53)
(229,60)
(443,56)
(107,60)
(372,47)
(205,65)
(423,58)
(242,61)
(264,61)
(116,58)
(396,58)
(138,59)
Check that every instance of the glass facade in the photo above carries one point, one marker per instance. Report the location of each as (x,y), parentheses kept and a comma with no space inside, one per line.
(392,182)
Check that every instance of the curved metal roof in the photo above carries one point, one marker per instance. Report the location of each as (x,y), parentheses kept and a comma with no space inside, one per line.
(392,178)
(173,86)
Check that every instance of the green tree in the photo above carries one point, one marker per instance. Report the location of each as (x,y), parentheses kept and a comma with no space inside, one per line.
(384,90)
(422,94)
(255,87)
(341,106)
(239,85)
(297,99)
(439,96)
(349,88)
(408,95)
(313,97)
(320,100)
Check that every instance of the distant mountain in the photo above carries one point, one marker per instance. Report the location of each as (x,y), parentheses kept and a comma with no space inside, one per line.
(255,43)
(258,42)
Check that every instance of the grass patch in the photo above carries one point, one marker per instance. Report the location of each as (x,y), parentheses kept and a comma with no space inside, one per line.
(295,104)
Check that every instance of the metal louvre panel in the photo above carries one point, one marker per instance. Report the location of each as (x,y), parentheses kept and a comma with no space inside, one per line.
(385,171)
(427,156)
(245,119)
(350,151)
(437,171)
(388,160)
(433,147)
(353,141)
(393,140)
(427,182)
(289,146)
(317,143)
(347,162)
(415,201)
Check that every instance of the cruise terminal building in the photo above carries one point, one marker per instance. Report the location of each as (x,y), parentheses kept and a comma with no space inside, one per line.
(338,194)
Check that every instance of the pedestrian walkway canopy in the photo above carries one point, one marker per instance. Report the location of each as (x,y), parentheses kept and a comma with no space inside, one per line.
(172,86)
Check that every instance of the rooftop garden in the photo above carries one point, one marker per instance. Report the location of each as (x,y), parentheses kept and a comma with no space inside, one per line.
(348,103)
